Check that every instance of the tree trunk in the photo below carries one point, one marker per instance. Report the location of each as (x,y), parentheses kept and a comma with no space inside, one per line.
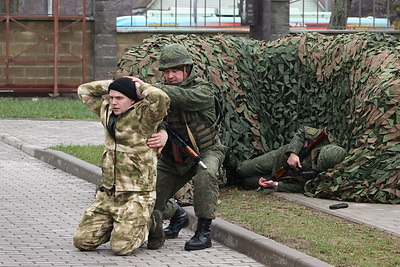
(13,6)
(338,20)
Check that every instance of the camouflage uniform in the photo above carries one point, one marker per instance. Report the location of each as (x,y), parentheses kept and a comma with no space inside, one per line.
(266,165)
(193,114)
(194,100)
(125,198)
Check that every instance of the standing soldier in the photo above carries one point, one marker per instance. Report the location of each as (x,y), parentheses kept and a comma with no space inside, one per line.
(193,116)
(125,198)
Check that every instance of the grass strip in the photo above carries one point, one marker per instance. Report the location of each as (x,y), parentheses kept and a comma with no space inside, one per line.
(44,107)
(318,234)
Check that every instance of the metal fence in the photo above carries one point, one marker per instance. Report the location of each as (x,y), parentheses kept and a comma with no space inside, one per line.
(183,14)
(363,15)
(173,14)
(41,59)
(304,15)
(45,8)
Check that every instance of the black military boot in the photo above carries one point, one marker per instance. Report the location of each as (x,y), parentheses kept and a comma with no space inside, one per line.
(178,221)
(156,237)
(202,236)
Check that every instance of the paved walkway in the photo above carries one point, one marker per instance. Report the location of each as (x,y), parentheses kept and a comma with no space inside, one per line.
(41,206)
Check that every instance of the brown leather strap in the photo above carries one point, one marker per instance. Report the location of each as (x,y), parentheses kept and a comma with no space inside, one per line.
(191,137)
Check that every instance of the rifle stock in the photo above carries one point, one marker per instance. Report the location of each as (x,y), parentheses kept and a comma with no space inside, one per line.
(182,144)
(303,153)
(282,171)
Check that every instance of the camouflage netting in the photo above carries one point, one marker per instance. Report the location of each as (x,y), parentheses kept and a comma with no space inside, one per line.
(348,82)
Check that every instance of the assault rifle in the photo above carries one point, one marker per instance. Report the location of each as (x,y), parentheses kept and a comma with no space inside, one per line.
(182,144)
(303,154)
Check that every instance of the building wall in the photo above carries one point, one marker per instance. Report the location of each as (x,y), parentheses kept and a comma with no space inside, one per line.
(31,57)
(22,39)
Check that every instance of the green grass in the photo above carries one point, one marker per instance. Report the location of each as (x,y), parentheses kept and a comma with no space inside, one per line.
(320,235)
(44,107)
(90,153)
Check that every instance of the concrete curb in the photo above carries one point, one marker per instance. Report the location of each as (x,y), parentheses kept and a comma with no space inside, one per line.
(58,159)
(257,247)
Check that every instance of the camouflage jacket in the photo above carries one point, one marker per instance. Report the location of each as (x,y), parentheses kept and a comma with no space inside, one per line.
(300,140)
(192,100)
(127,162)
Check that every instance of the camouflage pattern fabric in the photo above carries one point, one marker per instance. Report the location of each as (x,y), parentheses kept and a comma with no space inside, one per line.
(174,175)
(329,156)
(185,193)
(174,55)
(170,208)
(267,89)
(122,220)
(126,195)
(128,163)
(302,138)
(266,165)
(251,170)
(192,102)
(195,98)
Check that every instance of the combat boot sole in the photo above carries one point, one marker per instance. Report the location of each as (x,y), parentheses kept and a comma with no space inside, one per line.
(189,247)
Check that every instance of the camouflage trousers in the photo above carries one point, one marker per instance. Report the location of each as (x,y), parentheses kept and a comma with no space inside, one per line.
(170,208)
(251,170)
(121,219)
(172,176)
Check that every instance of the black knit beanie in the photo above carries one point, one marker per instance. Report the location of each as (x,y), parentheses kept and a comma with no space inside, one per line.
(125,86)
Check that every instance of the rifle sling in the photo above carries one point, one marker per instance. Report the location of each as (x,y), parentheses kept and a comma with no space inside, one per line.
(191,137)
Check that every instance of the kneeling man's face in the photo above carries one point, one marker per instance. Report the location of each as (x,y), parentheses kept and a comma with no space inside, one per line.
(119,102)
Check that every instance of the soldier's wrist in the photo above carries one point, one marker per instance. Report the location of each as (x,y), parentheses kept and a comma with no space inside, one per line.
(276,185)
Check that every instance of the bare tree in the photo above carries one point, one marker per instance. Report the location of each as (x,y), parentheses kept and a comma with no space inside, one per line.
(370,8)
(14,4)
(339,15)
